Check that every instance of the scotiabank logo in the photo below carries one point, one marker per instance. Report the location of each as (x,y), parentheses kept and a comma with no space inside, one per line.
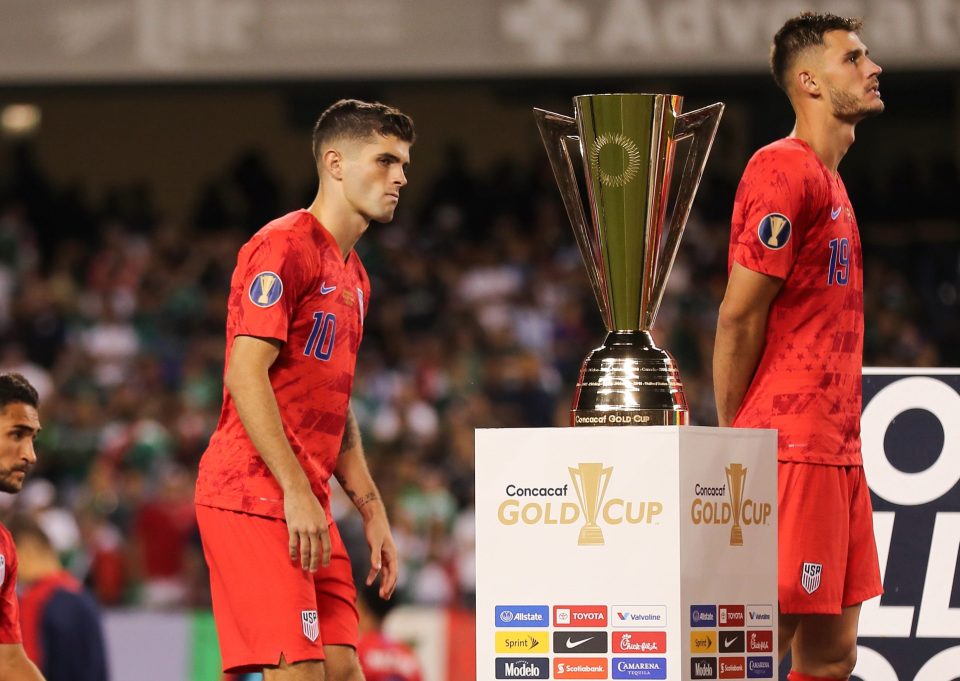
(640,642)
(760,642)
(733,668)
(580,668)
(580,616)
(730,616)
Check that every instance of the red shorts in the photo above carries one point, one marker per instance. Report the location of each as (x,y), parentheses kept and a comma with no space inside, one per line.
(266,605)
(828,554)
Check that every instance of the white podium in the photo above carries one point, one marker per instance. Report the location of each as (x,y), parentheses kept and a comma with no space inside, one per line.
(626,553)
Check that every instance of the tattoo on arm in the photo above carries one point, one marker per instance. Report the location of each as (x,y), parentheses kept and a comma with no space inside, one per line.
(359,501)
(351,433)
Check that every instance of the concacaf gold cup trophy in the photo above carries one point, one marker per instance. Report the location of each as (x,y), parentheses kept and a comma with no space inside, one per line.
(627,143)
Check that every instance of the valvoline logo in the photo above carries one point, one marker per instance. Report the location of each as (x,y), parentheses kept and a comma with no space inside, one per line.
(760,667)
(522,616)
(703,615)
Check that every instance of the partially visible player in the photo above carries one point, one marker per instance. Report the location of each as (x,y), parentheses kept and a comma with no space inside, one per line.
(283,594)
(789,345)
(382,658)
(60,621)
(19,425)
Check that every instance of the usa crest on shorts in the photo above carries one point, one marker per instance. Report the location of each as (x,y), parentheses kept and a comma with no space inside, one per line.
(810,576)
(311,627)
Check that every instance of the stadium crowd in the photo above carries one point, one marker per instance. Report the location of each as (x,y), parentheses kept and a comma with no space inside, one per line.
(481,315)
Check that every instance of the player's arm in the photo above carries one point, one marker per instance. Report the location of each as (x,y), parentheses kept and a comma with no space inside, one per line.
(354,476)
(15,665)
(248,381)
(741,330)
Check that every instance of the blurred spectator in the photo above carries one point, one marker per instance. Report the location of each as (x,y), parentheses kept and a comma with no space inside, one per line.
(382,658)
(62,631)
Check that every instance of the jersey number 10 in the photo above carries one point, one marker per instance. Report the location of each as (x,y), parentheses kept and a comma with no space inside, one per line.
(320,342)
(839,262)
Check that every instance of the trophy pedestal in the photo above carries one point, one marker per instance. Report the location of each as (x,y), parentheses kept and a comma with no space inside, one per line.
(608,553)
(629,381)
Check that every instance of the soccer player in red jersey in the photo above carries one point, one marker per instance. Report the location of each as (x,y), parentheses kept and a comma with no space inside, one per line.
(381,657)
(283,595)
(19,425)
(789,345)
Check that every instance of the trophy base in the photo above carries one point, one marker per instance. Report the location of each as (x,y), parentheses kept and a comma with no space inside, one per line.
(736,536)
(590,535)
(629,381)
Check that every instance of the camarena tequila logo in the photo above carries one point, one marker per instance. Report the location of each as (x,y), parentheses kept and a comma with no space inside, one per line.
(532,505)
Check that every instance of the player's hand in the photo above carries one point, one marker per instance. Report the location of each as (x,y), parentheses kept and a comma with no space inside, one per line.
(307,525)
(383,554)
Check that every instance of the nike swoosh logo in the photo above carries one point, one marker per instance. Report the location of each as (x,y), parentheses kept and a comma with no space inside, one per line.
(574,644)
(324,289)
(727,642)
(834,214)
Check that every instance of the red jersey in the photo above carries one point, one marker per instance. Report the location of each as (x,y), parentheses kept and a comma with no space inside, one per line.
(291,283)
(792,220)
(383,659)
(9,609)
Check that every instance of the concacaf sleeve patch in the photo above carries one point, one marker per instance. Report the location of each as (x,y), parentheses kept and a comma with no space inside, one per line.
(774,231)
(265,289)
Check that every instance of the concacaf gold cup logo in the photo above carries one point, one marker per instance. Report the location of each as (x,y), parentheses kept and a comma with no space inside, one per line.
(725,504)
(585,505)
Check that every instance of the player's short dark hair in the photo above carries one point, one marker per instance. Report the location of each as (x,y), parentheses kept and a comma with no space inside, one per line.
(15,388)
(22,527)
(800,32)
(352,118)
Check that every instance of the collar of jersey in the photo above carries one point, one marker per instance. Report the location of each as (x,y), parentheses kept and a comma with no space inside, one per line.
(326,235)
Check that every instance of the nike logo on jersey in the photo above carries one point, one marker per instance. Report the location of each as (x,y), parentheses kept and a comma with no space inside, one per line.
(574,644)
(835,212)
(324,289)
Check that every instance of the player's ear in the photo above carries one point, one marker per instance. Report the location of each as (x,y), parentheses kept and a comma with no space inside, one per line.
(331,163)
(807,82)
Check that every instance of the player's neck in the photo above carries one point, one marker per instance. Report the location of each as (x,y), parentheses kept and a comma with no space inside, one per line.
(346,226)
(829,138)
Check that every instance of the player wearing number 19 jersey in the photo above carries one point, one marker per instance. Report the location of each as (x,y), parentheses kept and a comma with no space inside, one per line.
(789,345)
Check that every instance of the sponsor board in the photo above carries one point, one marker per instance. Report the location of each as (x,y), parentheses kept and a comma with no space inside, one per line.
(581,668)
(732,668)
(522,616)
(634,616)
(639,668)
(703,642)
(639,642)
(759,615)
(579,642)
(703,616)
(703,667)
(730,616)
(759,641)
(731,641)
(522,642)
(580,616)
(760,667)
(522,668)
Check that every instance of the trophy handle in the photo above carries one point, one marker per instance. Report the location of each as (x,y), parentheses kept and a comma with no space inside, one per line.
(702,125)
(555,130)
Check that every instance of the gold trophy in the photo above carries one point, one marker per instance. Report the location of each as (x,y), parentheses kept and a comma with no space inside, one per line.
(736,477)
(590,480)
(627,143)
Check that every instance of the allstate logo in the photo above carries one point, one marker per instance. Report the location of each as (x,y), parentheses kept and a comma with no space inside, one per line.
(506,616)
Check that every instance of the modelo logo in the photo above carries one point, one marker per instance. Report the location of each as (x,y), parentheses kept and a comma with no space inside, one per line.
(590,481)
(703,668)
(519,668)
(709,509)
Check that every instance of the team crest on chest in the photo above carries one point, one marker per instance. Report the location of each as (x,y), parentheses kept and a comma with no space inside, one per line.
(810,576)
(265,289)
(774,231)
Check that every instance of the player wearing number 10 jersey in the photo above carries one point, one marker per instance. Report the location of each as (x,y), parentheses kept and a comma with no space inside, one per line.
(789,346)
(284,600)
